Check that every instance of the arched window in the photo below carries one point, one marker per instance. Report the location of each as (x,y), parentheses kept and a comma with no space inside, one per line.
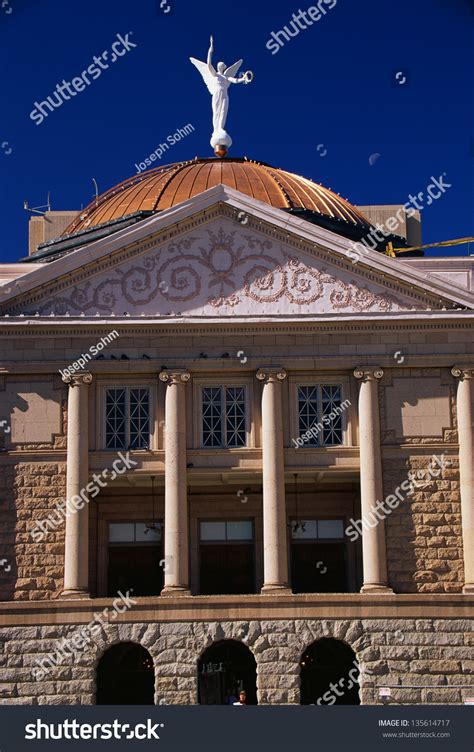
(225,669)
(329,674)
(125,676)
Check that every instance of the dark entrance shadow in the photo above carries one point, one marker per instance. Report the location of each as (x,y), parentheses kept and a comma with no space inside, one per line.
(329,674)
(224,669)
(125,676)
(135,568)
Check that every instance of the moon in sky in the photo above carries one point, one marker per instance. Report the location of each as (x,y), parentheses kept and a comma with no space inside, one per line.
(373,158)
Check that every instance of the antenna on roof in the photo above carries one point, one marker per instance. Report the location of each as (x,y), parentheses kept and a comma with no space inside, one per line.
(96,195)
(38,209)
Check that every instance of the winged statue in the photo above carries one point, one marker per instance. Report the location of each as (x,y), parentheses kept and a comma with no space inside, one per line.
(218,82)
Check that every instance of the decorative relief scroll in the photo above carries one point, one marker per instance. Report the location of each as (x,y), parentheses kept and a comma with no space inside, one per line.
(224,270)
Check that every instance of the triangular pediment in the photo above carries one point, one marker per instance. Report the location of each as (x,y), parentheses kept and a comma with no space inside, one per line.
(223,259)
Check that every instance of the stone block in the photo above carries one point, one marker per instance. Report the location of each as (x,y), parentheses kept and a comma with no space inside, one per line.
(441,696)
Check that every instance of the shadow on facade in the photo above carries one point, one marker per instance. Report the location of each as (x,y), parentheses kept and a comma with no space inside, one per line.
(329,674)
(125,676)
(405,566)
(224,669)
(8,542)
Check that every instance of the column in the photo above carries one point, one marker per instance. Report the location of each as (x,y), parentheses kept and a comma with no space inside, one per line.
(275,554)
(76,553)
(465,415)
(371,483)
(176,569)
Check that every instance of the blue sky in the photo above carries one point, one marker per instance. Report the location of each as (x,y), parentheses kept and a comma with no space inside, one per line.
(332,86)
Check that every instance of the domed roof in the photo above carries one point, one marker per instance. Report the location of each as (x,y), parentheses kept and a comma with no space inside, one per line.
(168,185)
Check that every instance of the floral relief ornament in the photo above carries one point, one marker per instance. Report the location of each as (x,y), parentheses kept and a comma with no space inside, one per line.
(224,270)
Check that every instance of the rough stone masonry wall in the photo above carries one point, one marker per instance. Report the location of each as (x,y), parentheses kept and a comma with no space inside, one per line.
(29,491)
(424,533)
(410,654)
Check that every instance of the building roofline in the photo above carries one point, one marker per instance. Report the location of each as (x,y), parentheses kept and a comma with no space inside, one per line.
(305,231)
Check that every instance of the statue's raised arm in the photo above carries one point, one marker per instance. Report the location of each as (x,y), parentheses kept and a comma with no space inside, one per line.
(209,57)
(218,83)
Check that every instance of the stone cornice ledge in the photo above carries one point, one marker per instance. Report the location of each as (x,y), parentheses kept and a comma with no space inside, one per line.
(243,608)
(292,362)
(83,324)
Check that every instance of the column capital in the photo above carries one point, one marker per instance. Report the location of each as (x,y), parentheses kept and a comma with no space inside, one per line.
(463,373)
(368,373)
(272,375)
(176,376)
(77,379)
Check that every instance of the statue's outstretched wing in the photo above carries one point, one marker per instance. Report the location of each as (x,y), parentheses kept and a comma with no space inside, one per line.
(205,73)
(232,70)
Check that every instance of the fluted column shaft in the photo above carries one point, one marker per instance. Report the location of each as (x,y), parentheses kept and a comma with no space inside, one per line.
(275,553)
(176,569)
(76,553)
(371,482)
(465,416)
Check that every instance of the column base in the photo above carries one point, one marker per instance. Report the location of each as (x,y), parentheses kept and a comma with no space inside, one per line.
(72,593)
(376,589)
(174,591)
(468,589)
(276,590)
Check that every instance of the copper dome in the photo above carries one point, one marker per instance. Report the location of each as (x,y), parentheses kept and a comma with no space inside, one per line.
(166,186)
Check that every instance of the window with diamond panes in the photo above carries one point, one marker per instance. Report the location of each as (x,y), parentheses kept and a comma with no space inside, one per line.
(223,416)
(127,418)
(315,403)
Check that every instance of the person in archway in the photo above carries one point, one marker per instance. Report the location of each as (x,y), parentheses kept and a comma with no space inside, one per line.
(242,698)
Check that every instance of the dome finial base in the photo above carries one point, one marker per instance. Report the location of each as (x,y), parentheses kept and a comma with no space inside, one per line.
(220,150)
(221,143)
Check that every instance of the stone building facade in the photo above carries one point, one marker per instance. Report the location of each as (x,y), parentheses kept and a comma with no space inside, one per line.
(273,454)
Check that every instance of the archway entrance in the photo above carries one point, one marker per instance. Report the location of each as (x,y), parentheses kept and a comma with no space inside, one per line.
(224,669)
(125,676)
(329,674)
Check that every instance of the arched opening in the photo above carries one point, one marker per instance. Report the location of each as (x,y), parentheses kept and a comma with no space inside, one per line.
(329,674)
(225,669)
(125,676)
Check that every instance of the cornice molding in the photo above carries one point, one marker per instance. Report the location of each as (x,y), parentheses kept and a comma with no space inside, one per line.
(253,607)
(68,326)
